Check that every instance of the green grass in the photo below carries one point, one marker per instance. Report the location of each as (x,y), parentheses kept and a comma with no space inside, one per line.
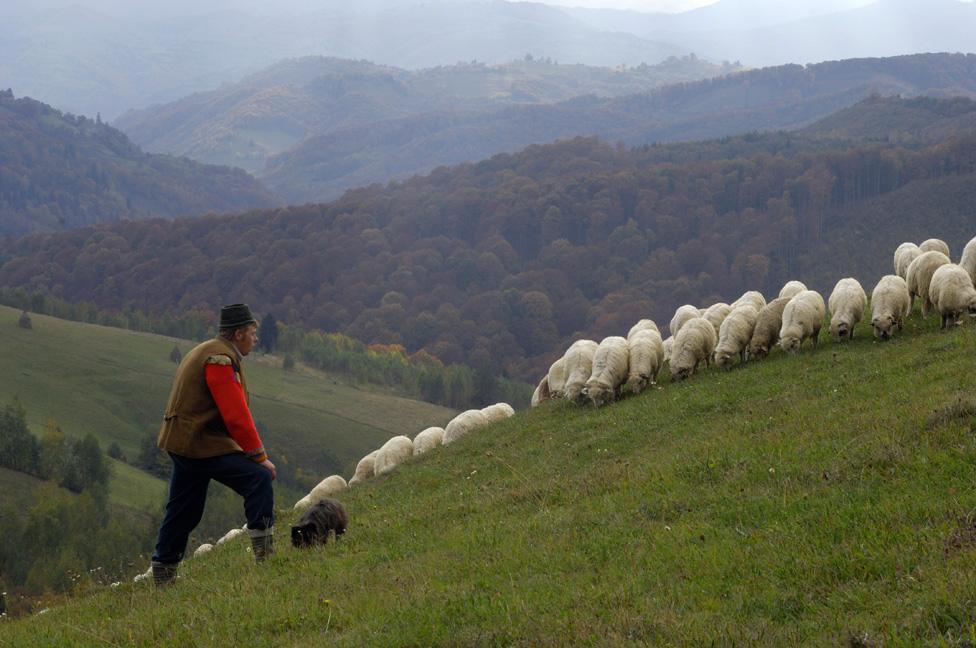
(114,384)
(826,499)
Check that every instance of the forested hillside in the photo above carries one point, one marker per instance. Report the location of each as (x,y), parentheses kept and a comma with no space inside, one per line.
(243,123)
(498,264)
(785,97)
(59,171)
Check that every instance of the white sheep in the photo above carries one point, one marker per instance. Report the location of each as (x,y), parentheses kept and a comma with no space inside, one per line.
(716,314)
(968,261)
(693,345)
(802,318)
(919,278)
(934,245)
(579,366)
(391,454)
(556,378)
(735,335)
(202,549)
(790,289)
(766,332)
(464,423)
(952,293)
(668,345)
(904,255)
(427,440)
(646,360)
(539,396)
(847,303)
(643,325)
(364,469)
(230,535)
(890,305)
(328,487)
(611,366)
(682,315)
(498,411)
(303,503)
(753,297)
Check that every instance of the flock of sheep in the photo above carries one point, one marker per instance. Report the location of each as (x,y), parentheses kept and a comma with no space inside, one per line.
(749,327)
(400,448)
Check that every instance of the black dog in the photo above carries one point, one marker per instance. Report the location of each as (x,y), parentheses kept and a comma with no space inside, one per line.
(315,524)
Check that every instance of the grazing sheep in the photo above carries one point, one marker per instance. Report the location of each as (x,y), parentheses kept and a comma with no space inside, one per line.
(315,525)
(734,337)
(202,549)
(968,261)
(668,345)
(934,245)
(791,289)
(766,332)
(752,297)
(682,315)
(847,303)
(716,314)
(802,319)
(364,469)
(904,255)
(428,440)
(579,366)
(327,487)
(611,366)
(890,305)
(391,454)
(556,378)
(952,293)
(920,276)
(304,502)
(498,411)
(693,345)
(230,535)
(539,396)
(646,360)
(643,325)
(464,423)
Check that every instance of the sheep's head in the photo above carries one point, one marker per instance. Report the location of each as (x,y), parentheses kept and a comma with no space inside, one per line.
(679,374)
(882,326)
(575,394)
(599,395)
(790,344)
(758,351)
(723,359)
(839,330)
(637,385)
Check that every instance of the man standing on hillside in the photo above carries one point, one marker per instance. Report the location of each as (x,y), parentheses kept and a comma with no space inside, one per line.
(209,434)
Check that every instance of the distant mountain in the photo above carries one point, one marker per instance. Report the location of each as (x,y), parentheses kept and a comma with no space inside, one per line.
(501,263)
(899,120)
(113,58)
(59,171)
(766,32)
(244,123)
(786,97)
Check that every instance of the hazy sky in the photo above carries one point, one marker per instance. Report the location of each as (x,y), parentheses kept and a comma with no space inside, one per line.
(670,6)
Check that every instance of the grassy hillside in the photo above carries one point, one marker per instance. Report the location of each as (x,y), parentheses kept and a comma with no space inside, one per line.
(825,499)
(114,384)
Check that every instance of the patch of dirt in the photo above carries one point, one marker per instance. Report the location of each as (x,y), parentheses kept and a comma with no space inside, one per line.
(961,407)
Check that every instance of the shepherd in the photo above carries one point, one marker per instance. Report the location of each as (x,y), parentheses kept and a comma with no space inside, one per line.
(209,433)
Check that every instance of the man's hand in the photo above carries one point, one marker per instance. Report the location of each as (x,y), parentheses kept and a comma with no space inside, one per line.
(270,466)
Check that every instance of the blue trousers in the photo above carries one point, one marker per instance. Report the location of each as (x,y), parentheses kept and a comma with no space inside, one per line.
(188,495)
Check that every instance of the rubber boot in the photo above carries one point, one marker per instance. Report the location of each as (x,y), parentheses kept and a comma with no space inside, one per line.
(262,543)
(163,574)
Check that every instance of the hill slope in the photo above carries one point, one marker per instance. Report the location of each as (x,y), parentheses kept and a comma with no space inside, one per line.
(58,171)
(113,383)
(819,500)
(242,124)
(785,97)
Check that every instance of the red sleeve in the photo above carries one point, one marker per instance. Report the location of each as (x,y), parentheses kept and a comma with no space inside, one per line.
(229,396)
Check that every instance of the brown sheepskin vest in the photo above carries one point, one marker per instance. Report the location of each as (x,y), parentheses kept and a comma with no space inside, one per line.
(192,425)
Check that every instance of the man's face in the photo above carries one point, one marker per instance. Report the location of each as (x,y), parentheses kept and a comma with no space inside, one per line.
(245,339)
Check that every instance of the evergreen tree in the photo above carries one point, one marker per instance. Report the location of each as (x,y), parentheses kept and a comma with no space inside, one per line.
(18,447)
(268,334)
